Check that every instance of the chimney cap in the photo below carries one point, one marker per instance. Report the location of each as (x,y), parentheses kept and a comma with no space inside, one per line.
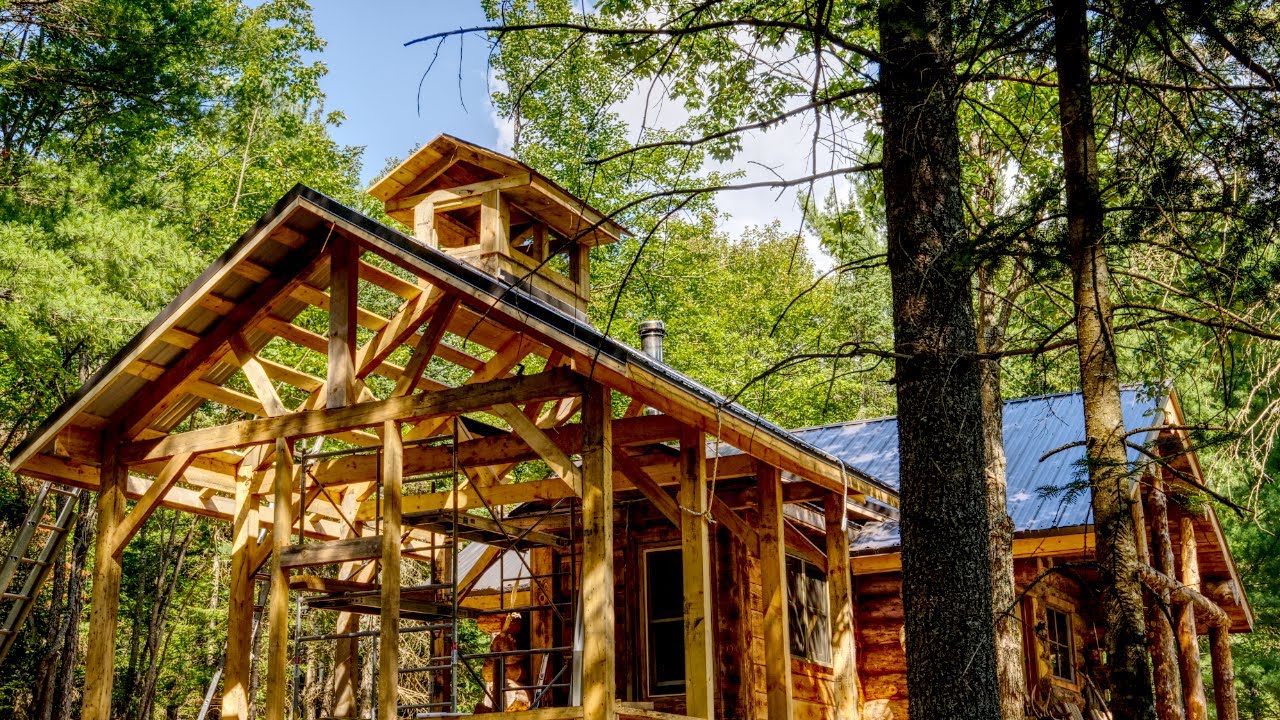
(652,327)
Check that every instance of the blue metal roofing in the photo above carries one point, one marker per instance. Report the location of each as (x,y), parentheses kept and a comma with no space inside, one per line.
(1033,427)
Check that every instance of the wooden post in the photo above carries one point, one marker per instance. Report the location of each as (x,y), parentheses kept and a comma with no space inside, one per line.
(844,666)
(1188,641)
(344,281)
(773,595)
(278,609)
(598,676)
(424,224)
(100,653)
(1163,647)
(1224,671)
(699,660)
(389,640)
(541,630)
(244,540)
(346,651)
(495,230)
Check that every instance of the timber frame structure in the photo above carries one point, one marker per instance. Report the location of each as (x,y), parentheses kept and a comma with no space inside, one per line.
(484,362)
(374,476)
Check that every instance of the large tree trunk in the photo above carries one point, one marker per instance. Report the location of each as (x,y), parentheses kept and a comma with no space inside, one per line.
(950,645)
(1128,663)
(1009,661)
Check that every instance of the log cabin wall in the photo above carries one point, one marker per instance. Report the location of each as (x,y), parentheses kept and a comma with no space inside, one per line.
(882,662)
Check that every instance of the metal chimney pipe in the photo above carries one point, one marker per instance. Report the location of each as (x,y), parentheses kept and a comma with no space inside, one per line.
(651,334)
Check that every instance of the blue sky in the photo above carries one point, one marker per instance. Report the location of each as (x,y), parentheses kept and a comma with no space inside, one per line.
(373,79)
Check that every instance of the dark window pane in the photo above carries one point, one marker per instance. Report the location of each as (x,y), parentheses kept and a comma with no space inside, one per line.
(666,642)
(665,579)
(664,608)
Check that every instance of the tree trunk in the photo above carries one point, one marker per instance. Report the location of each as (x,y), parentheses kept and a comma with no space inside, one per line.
(951,665)
(156,635)
(63,689)
(1122,607)
(1009,661)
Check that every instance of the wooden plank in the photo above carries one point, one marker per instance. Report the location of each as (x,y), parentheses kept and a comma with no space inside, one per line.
(240,593)
(471,497)
(278,609)
(635,472)
(543,386)
(1188,640)
(551,454)
(132,523)
(389,608)
(343,293)
(104,612)
(773,595)
(695,545)
(598,657)
(844,640)
(332,552)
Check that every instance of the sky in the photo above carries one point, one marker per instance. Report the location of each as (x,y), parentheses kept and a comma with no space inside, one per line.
(374,80)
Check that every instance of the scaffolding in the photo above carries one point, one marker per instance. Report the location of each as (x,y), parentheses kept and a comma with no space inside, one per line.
(439,607)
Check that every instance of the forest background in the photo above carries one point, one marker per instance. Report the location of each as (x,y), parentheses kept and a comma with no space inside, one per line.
(138,138)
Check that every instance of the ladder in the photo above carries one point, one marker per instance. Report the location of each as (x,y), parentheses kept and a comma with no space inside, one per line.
(35,533)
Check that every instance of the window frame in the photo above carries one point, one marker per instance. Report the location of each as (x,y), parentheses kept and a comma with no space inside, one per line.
(652,687)
(804,567)
(1056,647)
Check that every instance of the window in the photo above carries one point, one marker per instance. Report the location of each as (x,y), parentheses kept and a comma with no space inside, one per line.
(809,611)
(664,620)
(1059,644)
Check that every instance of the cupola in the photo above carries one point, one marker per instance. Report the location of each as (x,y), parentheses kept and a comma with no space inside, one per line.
(500,215)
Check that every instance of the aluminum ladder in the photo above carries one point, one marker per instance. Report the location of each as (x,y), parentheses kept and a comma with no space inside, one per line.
(46,541)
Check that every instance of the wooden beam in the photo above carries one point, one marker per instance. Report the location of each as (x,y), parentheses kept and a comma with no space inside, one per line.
(695,545)
(1188,639)
(159,396)
(802,546)
(470,497)
(598,671)
(240,592)
(346,651)
(278,615)
(424,224)
(507,357)
(457,193)
(494,450)
(1184,594)
(486,560)
(725,515)
(343,293)
(436,327)
(633,471)
(100,652)
(773,595)
(844,641)
(543,386)
(132,523)
(389,608)
(257,376)
(332,552)
(551,454)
